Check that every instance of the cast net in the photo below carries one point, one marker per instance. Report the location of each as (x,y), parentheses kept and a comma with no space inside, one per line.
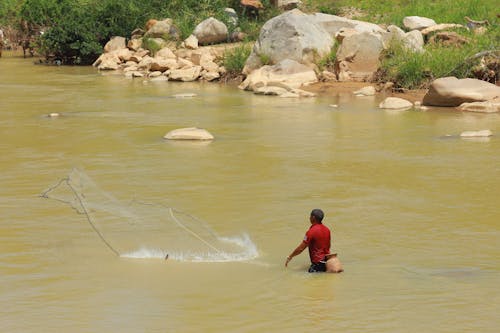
(139,229)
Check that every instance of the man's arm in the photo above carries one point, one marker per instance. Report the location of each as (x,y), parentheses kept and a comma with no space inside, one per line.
(295,252)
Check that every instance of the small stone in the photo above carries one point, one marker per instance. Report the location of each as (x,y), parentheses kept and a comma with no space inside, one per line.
(184,95)
(54,115)
(333,105)
(190,133)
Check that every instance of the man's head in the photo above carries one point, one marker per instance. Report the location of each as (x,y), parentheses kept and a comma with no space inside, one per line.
(317,215)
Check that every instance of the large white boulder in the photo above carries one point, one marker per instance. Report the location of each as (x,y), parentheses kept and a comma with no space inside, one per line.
(333,24)
(417,22)
(211,31)
(358,57)
(450,91)
(287,72)
(189,133)
(291,35)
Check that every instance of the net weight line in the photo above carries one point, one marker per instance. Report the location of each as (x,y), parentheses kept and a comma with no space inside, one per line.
(82,205)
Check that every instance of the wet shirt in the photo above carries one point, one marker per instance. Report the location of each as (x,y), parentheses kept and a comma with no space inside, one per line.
(317,239)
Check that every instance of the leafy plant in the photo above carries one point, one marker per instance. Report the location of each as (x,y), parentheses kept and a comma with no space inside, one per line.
(234,59)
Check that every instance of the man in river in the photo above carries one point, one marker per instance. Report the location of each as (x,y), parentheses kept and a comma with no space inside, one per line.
(317,239)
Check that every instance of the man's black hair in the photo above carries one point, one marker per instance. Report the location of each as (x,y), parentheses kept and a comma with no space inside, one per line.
(318,214)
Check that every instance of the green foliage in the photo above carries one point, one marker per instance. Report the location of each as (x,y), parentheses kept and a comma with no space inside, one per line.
(151,45)
(328,62)
(415,70)
(442,11)
(234,60)
(264,59)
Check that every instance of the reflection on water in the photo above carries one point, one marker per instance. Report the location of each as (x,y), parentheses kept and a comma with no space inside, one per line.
(414,214)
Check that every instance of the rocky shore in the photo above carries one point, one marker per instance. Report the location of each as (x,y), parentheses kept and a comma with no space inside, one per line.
(285,59)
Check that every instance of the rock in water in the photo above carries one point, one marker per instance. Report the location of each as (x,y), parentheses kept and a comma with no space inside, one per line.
(476,134)
(450,91)
(395,103)
(189,133)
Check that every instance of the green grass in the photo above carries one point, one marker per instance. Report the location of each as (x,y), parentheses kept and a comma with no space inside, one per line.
(234,59)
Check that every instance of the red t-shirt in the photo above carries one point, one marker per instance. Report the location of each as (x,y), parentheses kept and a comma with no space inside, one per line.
(318,240)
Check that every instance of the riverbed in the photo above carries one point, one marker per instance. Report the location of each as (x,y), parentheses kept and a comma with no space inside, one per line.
(412,207)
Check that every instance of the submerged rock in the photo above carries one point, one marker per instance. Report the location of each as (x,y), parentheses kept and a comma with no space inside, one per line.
(189,133)
(483,107)
(365,91)
(476,134)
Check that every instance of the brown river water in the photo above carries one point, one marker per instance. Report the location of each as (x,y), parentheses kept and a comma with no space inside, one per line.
(414,213)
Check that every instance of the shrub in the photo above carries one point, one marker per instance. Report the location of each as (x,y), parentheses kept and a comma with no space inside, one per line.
(234,60)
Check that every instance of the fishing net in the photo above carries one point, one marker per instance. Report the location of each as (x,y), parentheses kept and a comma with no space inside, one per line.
(138,229)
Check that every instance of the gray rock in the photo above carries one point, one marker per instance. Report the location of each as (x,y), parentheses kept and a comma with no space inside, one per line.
(211,31)
(291,35)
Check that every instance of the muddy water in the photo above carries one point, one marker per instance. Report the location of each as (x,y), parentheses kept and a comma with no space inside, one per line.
(414,213)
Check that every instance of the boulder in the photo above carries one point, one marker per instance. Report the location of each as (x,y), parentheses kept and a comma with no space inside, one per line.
(395,103)
(107,61)
(162,64)
(345,32)
(145,62)
(123,54)
(358,57)
(210,76)
(333,24)
(191,42)
(166,53)
(115,43)
(450,91)
(417,22)
(413,40)
(164,29)
(287,72)
(483,107)
(291,35)
(134,44)
(476,134)
(365,91)
(137,33)
(155,74)
(190,133)
(185,75)
(211,31)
